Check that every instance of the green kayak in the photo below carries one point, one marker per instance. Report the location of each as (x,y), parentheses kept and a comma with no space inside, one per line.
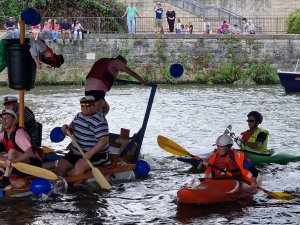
(271,157)
(255,157)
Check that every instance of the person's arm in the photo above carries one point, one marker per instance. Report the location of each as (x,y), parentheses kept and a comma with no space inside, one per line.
(125,13)
(37,62)
(252,169)
(103,141)
(66,127)
(26,155)
(23,140)
(134,75)
(137,13)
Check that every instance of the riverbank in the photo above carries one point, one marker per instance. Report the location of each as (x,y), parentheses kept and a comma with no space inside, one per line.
(205,58)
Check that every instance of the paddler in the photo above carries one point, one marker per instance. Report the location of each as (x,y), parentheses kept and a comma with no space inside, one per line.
(230,160)
(18,145)
(90,129)
(256,138)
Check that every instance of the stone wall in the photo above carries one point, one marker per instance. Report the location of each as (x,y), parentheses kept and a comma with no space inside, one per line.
(151,55)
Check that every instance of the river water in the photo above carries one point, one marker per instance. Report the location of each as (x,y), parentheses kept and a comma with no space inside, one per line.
(192,116)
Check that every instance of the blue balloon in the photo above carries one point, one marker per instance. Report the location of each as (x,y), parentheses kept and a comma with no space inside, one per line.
(40,186)
(31,16)
(142,168)
(176,70)
(57,135)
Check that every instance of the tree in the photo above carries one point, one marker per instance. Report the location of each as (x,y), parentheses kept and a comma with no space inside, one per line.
(294,23)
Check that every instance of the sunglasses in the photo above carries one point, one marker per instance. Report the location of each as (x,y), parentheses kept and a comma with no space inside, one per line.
(86,104)
(250,121)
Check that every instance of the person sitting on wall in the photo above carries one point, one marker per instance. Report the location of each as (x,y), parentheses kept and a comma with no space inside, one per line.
(40,52)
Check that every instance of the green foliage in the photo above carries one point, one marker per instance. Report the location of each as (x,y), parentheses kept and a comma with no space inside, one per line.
(261,73)
(79,80)
(184,62)
(160,51)
(148,73)
(229,73)
(294,23)
(96,8)
(15,7)
(200,78)
(168,77)
(202,60)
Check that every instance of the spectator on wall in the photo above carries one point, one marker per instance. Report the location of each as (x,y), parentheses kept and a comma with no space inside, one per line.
(47,30)
(35,30)
(158,27)
(55,29)
(131,13)
(171,15)
(251,28)
(206,26)
(66,30)
(11,28)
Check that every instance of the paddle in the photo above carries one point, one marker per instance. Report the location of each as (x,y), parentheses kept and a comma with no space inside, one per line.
(96,172)
(174,148)
(33,170)
(228,129)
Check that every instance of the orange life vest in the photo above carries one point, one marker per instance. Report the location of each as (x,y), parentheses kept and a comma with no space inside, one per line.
(246,135)
(227,163)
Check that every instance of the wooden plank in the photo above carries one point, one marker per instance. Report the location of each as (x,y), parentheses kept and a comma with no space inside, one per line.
(105,171)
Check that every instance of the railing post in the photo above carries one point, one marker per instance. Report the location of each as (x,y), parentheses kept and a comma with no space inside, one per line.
(99,25)
(276,25)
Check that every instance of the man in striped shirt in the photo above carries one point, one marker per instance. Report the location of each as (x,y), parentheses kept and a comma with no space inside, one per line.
(90,129)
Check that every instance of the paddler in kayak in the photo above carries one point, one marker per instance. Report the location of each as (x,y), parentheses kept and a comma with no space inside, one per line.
(230,160)
(256,138)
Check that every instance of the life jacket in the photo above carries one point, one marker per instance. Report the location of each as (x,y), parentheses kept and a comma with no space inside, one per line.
(232,162)
(100,72)
(251,137)
(10,142)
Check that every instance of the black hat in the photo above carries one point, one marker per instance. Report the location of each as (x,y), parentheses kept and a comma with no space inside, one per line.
(59,60)
(54,60)
(121,58)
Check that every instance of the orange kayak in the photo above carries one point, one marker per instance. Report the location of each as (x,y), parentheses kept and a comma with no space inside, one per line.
(209,191)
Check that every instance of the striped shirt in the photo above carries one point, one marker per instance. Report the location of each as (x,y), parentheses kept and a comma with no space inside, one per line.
(88,131)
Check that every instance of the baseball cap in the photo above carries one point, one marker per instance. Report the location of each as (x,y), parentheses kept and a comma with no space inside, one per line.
(9,111)
(9,99)
(88,98)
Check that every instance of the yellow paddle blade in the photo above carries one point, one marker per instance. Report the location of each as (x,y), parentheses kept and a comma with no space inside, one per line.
(101,180)
(280,195)
(47,149)
(35,171)
(96,173)
(171,146)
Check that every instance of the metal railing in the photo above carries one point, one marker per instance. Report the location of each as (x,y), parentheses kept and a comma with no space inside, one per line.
(105,25)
